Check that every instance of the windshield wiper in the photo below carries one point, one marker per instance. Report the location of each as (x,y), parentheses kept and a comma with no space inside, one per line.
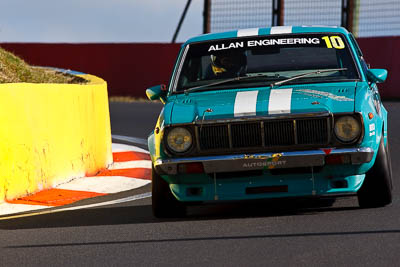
(304,75)
(240,78)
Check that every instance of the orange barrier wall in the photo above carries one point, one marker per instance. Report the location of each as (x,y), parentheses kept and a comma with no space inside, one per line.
(129,68)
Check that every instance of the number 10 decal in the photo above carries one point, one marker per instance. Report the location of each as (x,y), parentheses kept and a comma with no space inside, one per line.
(333,41)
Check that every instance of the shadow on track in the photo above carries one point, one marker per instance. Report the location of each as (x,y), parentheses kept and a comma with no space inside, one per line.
(140,214)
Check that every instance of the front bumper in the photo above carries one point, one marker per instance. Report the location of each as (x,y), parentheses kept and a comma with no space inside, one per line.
(261,161)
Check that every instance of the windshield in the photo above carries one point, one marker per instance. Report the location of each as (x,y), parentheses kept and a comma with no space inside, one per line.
(264,60)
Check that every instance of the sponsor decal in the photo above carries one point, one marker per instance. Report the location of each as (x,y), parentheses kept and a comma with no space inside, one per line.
(219,47)
(321,94)
(264,42)
(269,163)
(283,41)
(256,157)
(372,129)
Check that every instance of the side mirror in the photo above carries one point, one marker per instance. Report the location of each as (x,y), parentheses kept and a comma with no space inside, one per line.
(377,75)
(157,92)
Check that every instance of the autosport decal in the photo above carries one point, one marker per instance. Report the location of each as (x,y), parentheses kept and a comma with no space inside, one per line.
(264,42)
(269,163)
(275,161)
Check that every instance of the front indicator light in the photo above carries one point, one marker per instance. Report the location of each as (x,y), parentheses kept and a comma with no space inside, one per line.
(347,129)
(370,115)
(179,140)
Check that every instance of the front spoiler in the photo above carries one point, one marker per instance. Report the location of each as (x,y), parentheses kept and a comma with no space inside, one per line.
(260,161)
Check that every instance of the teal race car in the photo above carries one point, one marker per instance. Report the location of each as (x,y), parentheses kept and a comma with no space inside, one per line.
(274,112)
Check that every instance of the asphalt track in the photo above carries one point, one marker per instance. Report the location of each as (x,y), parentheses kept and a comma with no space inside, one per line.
(273,233)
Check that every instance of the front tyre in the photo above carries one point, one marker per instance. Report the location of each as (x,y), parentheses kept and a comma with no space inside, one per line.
(376,190)
(164,203)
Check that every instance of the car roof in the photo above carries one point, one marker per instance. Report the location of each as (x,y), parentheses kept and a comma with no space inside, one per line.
(267,31)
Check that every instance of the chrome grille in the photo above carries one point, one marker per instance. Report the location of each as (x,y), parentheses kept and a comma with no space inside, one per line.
(264,135)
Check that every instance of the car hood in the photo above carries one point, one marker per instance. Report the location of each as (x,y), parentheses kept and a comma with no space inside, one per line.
(262,101)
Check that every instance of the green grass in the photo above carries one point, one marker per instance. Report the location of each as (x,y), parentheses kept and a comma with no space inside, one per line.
(14,70)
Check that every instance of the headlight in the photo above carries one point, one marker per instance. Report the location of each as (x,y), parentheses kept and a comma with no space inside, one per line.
(179,140)
(347,129)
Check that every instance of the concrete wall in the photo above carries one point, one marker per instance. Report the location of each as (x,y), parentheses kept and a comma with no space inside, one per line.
(52,133)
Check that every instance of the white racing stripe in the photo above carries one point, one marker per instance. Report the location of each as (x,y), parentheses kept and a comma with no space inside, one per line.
(131,164)
(125,148)
(104,184)
(245,103)
(281,29)
(247,32)
(280,101)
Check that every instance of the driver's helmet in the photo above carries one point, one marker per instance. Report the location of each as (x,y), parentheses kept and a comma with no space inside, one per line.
(232,62)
